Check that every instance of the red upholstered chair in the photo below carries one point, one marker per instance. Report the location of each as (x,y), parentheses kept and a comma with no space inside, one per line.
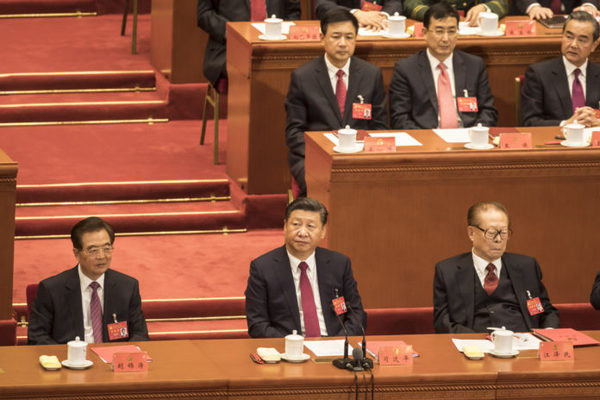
(580,316)
(212,99)
(30,293)
(398,321)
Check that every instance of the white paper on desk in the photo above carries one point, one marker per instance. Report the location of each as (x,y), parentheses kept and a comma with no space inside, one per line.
(460,135)
(521,341)
(465,29)
(333,138)
(327,348)
(402,138)
(485,345)
(368,32)
(285,27)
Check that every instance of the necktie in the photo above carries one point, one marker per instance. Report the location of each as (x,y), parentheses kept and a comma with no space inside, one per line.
(258,10)
(556,6)
(448,116)
(577,97)
(490,282)
(340,91)
(96,313)
(311,322)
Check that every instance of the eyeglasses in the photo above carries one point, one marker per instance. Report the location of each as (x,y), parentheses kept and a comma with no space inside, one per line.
(95,251)
(492,234)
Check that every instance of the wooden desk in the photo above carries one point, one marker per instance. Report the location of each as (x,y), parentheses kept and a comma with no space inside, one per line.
(259,75)
(398,214)
(221,369)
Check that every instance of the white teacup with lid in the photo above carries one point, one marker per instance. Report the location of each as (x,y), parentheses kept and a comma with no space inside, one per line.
(575,134)
(396,24)
(479,136)
(488,22)
(503,341)
(273,27)
(347,138)
(294,345)
(77,351)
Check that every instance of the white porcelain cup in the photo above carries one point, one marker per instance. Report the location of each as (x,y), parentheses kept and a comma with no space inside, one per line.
(396,24)
(294,345)
(347,138)
(479,135)
(77,351)
(273,27)
(574,133)
(488,22)
(503,341)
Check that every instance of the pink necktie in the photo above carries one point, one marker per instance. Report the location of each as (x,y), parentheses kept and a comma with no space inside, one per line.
(340,91)
(96,313)
(577,97)
(490,283)
(311,322)
(258,10)
(448,116)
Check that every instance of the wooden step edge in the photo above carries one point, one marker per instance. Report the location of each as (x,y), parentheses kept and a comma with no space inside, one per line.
(135,89)
(211,198)
(127,183)
(77,14)
(148,121)
(224,231)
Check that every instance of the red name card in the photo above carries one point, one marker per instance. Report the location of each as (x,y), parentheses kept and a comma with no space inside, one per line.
(380,144)
(520,28)
(418,29)
(515,140)
(129,362)
(396,355)
(305,32)
(556,351)
(595,139)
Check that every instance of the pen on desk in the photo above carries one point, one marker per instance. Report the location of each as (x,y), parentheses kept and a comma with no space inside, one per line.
(559,137)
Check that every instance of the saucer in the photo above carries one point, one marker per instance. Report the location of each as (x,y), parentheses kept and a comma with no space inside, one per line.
(512,354)
(497,32)
(357,147)
(83,365)
(486,146)
(569,144)
(265,37)
(395,35)
(300,359)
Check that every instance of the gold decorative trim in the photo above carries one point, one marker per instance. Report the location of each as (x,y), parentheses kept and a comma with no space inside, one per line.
(51,15)
(82,103)
(77,184)
(142,201)
(54,217)
(201,331)
(149,121)
(66,91)
(224,231)
(192,319)
(70,73)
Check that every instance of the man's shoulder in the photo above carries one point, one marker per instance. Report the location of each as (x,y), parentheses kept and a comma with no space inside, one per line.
(413,60)
(468,58)
(114,275)
(517,259)
(60,278)
(311,66)
(546,65)
(365,65)
(455,260)
(278,254)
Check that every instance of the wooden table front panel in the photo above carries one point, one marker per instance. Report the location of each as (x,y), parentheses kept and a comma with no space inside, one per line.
(398,214)
(8,187)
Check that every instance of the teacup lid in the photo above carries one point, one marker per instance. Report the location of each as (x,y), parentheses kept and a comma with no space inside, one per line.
(294,336)
(575,125)
(480,127)
(77,342)
(347,130)
(397,17)
(273,19)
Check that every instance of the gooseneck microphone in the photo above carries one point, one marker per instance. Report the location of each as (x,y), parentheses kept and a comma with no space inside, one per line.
(343,363)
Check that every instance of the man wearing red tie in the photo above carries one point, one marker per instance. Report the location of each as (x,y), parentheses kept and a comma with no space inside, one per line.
(441,87)
(300,286)
(332,91)
(489,287)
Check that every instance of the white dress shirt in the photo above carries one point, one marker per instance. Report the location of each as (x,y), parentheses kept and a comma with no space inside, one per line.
(332,71)
(570,69)
(434,62)
(311,271)
(86,298)
(481,265)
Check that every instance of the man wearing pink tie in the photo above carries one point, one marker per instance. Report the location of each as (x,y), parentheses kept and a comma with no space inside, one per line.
(488,287)
(441,87)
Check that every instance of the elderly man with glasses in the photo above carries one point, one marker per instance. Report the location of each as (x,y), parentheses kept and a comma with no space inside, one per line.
(89,301)
(488,287)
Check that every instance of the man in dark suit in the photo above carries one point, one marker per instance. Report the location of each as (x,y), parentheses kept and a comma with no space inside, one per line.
(440,87)
(488,287)
(324,91)
(547,8)
(297,286)
(90,300)
(369,13)
(213,15)
(595,295)
(563,90)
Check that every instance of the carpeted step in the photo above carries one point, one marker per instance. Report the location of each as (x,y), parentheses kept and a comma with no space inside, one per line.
(46,6)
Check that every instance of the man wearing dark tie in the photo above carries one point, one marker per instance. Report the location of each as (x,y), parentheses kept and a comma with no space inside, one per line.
(371,14)
(440,87)
(325,92)
(548,8)
(563,90)
(90,301)
(299,286)
(488,287)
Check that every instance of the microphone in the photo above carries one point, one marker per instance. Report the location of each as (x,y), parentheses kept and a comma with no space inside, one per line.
(358,356)
(343,363)
(366,362)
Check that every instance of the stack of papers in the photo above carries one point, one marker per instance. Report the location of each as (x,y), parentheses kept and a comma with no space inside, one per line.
(521,341)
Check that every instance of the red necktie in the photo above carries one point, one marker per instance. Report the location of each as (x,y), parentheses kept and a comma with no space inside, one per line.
(490,283)
(258,10)
(311,322)
(96,313)
(340,92)
(577,97)
(448,116)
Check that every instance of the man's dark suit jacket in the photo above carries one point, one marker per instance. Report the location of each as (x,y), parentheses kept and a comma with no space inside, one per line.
(546,96)
(413,99)
(57,317)
(595,295)
(213,15)
(388,6)
(311,105)
(454,294)
(522,5)
(272,305)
